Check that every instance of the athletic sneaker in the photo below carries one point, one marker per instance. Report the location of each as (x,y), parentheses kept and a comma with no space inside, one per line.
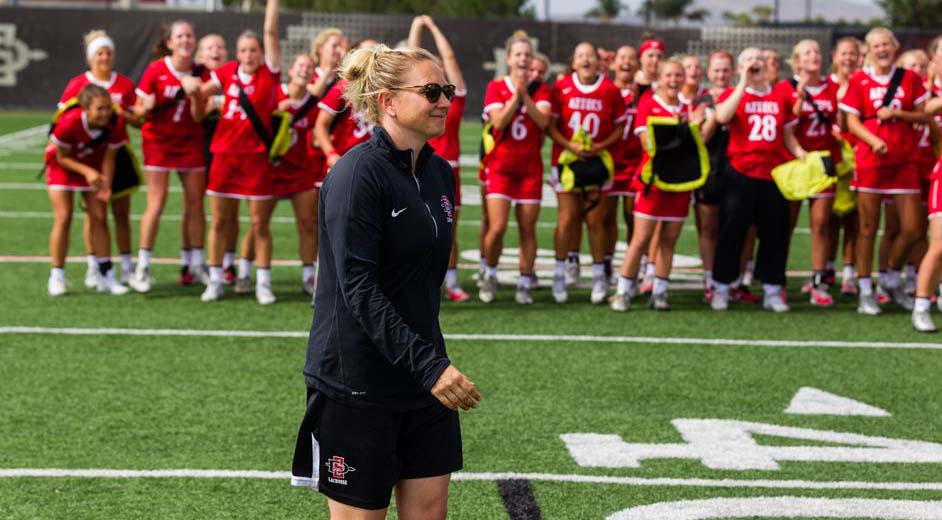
(883,296)
(107,284)
(572,272)
(523,296)
(821,298)
(620,302)
(599,290)
(868,305)
(186,277)
(830,277)
(200,274)
(849,286)
(229,275)
(559,289)
(658,302)
(719,301)
(126,276)
(647,284)
(488,289)
(213,292)
(141,281)
(748,277)
(308,285)
(742,294)
(922,322)
(775,303)
(708,295)
(91,277)
(457,294)
(56,287)
(244,285)
(264,294)
(901,299)
(480,279)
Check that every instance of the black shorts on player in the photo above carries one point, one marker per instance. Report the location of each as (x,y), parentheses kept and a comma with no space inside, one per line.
(355,455)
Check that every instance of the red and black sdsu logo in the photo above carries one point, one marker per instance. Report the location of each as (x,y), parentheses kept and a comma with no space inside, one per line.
(338,469)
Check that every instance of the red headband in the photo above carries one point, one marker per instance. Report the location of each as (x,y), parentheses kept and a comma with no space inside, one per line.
(657,45)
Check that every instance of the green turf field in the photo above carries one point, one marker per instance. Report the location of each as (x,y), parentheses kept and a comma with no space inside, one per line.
(159,406)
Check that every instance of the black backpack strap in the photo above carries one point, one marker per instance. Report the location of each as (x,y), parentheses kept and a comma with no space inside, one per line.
(893,87)
(304,109)
(254,118)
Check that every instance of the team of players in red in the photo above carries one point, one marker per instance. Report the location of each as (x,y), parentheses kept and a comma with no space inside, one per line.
(609,95)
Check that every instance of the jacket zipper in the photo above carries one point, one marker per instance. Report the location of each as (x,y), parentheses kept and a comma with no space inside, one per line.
(419,186)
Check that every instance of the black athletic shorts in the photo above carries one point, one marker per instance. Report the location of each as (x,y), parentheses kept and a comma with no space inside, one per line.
(356,455)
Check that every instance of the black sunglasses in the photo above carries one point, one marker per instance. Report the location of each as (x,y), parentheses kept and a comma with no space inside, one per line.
(433,91)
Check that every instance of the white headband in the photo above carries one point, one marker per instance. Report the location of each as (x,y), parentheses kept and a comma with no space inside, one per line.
(98,43)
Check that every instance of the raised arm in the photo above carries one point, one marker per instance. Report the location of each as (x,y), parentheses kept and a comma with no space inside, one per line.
(272,43)
(415,32)
(447,54)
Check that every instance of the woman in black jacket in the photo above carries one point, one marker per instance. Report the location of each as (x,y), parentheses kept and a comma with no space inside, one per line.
(382,393)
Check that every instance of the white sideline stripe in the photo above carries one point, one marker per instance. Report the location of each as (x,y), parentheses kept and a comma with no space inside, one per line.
(76,331)
(26,133)
(486,476)
(35,166)
(41,186)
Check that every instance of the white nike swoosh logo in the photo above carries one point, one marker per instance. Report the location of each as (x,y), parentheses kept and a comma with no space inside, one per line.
(397,213)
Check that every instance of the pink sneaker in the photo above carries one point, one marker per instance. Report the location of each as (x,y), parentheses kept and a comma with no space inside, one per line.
(457,294)
(742,294)
(821,298)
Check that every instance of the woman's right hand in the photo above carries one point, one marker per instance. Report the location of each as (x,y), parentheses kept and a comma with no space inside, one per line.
(879,147)
(455,391)
(94,179)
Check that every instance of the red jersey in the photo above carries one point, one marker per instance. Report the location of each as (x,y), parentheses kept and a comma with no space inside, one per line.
(173,126)
(812,132)
(119,86)
(756,142)
(298,156)
(72,133)
(349,128)
(631,149)
(597,108)
(518,145)
(865,96)
(655,106)
(235,133)
(448,145)
(315,153)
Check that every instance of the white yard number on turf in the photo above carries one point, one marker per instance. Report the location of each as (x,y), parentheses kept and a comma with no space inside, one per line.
(518,130)
(590,122)
(729,445)
(763,128)
(785,507)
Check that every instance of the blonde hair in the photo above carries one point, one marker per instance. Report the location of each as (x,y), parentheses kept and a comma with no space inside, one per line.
(793,59)
(320,40)
(912,53)
(204,41)
(878,31)
(519,36)
(673,60)
(370,71)
(90,36)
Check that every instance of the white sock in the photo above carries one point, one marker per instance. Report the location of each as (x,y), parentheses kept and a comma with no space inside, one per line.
(866,285)
(720,289)
(750,266)
(560,268)
(573,256)
(644,263)
(708,279)
(91,261)
(524,282)
(650,269)
(143,258)
(196,257)
(127,265)
(829,265)
(482,263)
(598,270)
(58,273)
(228,258)
(849,272)
(922,304)
(186,255)
(451,278)
(625,285)
(660,285)
(491,271)
(890,279)
(910,272)
(245,267)
(263,275)
(307,272)
(215,274)
(771,290)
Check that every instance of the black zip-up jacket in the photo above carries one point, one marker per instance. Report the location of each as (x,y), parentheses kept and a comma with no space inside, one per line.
(385,237)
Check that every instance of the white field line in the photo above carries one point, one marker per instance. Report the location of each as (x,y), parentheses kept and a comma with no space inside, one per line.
(15,138)
(539,338)
(485,476)
(29,166)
